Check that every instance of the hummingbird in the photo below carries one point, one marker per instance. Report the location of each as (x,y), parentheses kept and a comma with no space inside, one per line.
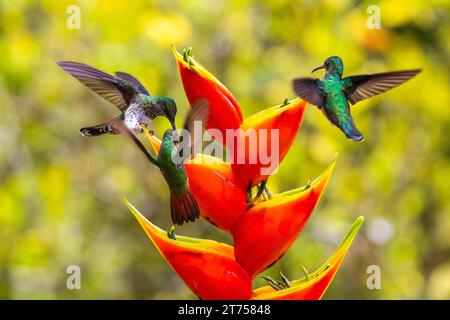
(333,93)
(183,205)
(124,91)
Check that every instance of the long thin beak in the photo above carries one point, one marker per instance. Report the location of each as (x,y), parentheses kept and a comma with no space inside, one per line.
(177,140)
(318,68)
(172,122)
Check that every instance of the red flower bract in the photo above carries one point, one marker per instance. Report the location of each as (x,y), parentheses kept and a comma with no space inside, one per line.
(219,193)
(285,120)
(199,83)
(314,285)
(270,227)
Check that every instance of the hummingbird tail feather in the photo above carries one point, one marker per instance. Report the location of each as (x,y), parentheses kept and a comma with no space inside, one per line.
(105,128)
(183,208)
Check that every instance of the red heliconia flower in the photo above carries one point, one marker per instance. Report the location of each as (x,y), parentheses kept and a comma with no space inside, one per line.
(270,227)
(198,83)
(207,267)
(220,194)
(262,230)
(313,286)
(225,113)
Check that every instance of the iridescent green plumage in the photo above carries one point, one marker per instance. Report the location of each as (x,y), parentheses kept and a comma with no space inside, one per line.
(174,173)
(170,161)
(333,93)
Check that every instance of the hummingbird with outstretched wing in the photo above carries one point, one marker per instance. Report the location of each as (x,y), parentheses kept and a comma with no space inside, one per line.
(183,205)
(333,93)
(138,108)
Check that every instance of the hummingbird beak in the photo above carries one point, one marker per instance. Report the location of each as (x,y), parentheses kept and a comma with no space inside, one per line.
(318,68)
(175,133)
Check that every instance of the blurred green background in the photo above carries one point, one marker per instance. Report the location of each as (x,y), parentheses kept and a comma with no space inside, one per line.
(60,194)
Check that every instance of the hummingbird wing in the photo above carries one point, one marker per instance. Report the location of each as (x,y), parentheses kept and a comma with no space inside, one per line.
(199,112)
(361,87)
(309,89)
(133,81)
(113,89)
(120,128)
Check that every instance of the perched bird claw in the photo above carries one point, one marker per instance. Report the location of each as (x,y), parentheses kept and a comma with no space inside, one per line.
(263,192)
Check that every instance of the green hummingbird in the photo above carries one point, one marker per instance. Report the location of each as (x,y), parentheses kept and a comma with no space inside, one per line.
(333,93)
(170,160)
(124,91)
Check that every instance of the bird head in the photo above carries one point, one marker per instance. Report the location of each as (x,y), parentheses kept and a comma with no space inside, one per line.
(170,110)
(333,64)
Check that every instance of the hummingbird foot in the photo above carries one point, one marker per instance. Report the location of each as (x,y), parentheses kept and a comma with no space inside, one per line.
(144,127)
(263,191)
(266,190)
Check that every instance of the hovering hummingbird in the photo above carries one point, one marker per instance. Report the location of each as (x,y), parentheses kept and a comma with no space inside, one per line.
(183,205)
(332,94)
(124,91)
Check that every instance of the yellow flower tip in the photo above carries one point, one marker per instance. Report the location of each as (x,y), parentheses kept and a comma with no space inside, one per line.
(163,242)
(336,155)
(148,227)
(176,54)
(345,244)
(180,58)
(353,231)
(196,67)
(359,221)
(155,142)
